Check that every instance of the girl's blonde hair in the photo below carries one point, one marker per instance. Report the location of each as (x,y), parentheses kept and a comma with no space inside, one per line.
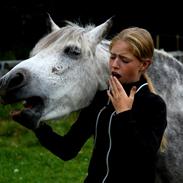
(139,40)
(142,47)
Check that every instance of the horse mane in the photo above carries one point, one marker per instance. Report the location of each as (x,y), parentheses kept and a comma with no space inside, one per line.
(163,55)
(170,63)
(71,32)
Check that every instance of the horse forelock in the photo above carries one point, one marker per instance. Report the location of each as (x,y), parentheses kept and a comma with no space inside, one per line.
(72,34)
(87,27)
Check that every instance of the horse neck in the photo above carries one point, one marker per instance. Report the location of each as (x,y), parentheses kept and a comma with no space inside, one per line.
(166,75)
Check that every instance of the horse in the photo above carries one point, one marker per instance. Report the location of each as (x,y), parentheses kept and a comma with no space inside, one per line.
(70,64)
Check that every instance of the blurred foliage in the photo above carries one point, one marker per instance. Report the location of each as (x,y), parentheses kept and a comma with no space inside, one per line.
(23,159)
(15,54)
(8,55)
(14,132)
(5,110)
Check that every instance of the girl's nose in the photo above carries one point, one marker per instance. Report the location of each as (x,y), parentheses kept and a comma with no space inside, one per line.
(115,62)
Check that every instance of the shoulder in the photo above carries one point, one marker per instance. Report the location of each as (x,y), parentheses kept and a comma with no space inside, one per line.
(100,99)
(98,102)
(155,99)
(153,102)
(101,96)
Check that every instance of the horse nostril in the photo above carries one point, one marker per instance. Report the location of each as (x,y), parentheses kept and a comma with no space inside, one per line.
(16,81)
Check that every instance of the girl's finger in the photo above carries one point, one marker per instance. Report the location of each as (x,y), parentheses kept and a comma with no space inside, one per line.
(132,92)
(113,84)
(119,86)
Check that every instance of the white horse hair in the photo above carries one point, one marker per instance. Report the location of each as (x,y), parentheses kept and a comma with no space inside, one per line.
(69,65)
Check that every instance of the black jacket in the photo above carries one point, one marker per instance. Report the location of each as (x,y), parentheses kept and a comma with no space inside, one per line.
(126,144)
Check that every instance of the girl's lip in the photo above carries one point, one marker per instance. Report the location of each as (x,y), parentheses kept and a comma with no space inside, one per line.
(116,75)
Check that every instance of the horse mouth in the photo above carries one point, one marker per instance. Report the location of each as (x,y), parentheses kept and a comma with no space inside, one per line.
(31,109)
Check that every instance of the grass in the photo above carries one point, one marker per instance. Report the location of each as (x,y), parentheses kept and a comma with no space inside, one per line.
(23,159)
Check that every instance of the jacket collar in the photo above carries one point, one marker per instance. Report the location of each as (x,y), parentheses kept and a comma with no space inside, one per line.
(138,84)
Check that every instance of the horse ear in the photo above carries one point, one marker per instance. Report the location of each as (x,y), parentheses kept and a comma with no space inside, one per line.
(98,33)
(54,27)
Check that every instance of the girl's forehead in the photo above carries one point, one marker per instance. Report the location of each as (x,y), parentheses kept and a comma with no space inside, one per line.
(121,46)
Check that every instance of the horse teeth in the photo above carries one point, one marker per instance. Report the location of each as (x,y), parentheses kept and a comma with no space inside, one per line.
(24,102)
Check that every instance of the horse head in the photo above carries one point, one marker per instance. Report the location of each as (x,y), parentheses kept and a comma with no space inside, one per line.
(63,73)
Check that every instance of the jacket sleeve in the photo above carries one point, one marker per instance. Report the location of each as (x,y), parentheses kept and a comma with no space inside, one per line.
(67,147)
(145,130)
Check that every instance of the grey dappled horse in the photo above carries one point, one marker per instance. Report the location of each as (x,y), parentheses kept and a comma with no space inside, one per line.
(68,66)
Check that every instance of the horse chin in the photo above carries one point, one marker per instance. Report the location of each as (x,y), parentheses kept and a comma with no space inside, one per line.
(27,116)
(31,110)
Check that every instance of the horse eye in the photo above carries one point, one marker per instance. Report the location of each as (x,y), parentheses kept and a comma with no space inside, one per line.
(72,51)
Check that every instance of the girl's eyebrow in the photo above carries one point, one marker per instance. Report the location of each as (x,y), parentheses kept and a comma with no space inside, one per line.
(121,56)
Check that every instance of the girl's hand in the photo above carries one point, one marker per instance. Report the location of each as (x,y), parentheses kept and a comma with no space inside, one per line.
(120,100)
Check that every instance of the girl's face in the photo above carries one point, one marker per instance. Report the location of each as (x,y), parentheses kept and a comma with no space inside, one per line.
(124,65)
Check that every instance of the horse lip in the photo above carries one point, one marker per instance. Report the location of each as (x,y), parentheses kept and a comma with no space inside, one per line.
(35,103)
(11,98)
(32,110)
(28,116)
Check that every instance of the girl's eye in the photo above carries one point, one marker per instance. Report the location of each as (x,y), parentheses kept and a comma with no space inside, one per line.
(112,57)
(120,59)
(124,60)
